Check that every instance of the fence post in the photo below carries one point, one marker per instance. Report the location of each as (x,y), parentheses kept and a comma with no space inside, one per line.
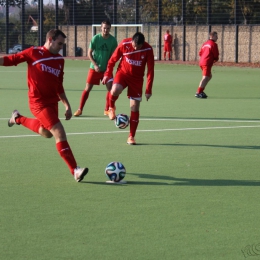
(236,43)
(56,14)
(160,28)
(184,30)
(7,27)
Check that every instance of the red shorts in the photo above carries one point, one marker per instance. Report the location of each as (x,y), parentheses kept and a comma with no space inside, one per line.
(167,47)
(135,86)
(206,70)
(48,115)
(94,77)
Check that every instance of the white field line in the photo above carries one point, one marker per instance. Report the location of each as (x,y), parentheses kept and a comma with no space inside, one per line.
(148,130)
(164,119)
(174,119)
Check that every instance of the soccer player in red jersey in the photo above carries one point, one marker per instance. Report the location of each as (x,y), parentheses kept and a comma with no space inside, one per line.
(100,50)
(209,54)
(167,45)
(45,89)
(134,54)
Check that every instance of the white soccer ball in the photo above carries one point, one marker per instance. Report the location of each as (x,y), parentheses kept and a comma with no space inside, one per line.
(121,121)
(115,171)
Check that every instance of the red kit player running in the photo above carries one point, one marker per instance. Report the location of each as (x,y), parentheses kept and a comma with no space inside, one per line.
(209,54)
(45,84)
(135,54)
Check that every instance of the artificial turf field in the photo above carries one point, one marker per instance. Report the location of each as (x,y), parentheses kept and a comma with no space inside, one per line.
(193,180)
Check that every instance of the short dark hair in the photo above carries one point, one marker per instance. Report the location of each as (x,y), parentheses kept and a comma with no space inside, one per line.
(107,22)
(54,34)
(138,38)
(211,34)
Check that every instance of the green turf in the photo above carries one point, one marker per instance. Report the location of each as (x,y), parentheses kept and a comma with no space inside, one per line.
(192,181)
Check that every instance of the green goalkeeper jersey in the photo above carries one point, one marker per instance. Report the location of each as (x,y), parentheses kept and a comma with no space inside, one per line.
(102,50)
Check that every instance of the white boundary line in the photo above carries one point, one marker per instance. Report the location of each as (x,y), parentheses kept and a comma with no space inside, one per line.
(152,130)
(166,119)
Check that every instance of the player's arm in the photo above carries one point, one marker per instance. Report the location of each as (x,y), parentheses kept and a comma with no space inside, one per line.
(150,75)
(15,59)
(90,55)
(215,53)
(111,64)
(200,52)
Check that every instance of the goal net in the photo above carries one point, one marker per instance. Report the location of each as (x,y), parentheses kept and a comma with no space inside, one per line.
(120,31)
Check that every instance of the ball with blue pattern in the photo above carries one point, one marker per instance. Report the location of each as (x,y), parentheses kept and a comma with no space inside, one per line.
(115,171)
(122,121)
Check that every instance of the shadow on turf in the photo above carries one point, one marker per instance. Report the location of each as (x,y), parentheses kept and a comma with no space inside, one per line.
(192,182)
(180,181)
(251,147)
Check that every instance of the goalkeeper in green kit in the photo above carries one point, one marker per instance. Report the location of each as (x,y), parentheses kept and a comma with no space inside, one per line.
(100,50)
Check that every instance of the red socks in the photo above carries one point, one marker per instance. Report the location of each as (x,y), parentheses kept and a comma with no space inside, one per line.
(200,90)
(107,102)
(84,97)
(112,100)
(66,154)
(134,120)
(30,123)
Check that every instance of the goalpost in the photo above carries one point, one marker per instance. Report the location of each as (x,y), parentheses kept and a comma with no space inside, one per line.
(121,31)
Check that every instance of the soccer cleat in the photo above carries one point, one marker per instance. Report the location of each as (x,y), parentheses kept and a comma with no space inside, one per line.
(204,94)
(14,115)
(78,113)
(201,95)
(131,140)
(80,173)
(106,112)
(112,113)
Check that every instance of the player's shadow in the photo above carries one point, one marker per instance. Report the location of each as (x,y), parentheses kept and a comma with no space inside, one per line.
(150,179)
(190,182)
(246,147)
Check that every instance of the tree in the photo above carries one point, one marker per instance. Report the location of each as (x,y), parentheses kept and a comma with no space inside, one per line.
(249,10)
(148,11)
(171,10)
(83,11)
(13,2)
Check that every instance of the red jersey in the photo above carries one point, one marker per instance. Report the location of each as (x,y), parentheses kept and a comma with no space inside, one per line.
(167,39)
(44,74)
(208,53)
(133,62)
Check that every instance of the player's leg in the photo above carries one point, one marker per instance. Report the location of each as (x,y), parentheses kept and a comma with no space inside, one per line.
(50,120)
(31,123)
(93,78)
(65,152)
(206,77)
(134,119)
(109,87)
(83,99)
(134,93)
(48,116)
(120,82)
(113,96)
